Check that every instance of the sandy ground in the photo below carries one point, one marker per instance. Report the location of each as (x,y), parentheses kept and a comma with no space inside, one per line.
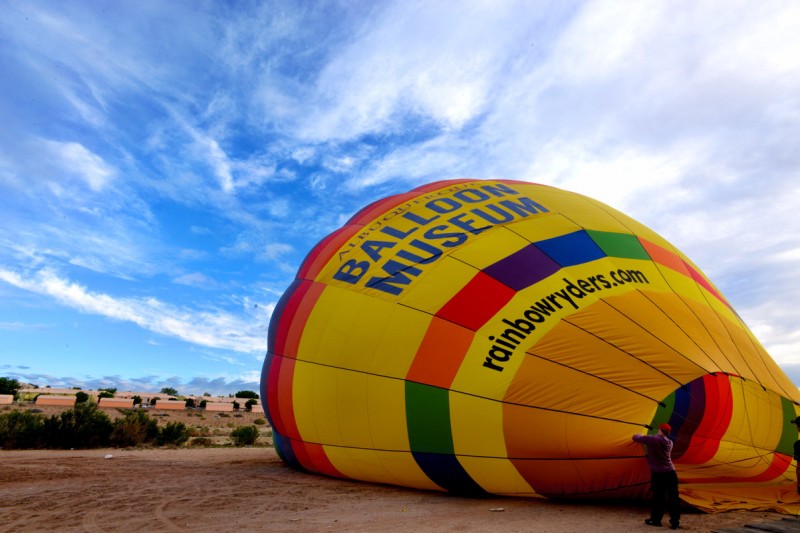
(251,489)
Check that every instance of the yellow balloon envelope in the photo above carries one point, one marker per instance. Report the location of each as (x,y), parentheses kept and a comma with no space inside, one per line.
(505,337)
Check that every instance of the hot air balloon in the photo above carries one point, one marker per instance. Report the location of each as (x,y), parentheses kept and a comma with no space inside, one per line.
(504,337)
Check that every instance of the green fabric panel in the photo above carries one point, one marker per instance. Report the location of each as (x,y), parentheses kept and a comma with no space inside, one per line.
(789,433)
(428,418)
(663,414)
(618,244)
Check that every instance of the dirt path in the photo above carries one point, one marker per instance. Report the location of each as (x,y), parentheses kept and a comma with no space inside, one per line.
(250,489)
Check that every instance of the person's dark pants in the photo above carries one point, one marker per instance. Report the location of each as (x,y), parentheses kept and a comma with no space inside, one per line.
(665,487)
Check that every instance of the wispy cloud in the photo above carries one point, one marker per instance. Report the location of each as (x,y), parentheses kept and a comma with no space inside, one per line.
(74,158)
(214,329)
(22,326)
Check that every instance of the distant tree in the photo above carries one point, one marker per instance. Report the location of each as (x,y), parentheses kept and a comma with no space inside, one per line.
(190,402)
(203,404)
(9,386)
(235,406)
(169,391)
(105,394)
(111,390)
(206,394)
(246,394)
(81,397)
(154,399)
(250,403)
(137,400)
(73,388)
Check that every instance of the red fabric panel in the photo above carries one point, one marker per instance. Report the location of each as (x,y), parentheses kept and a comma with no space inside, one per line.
(298,322)
(702,281)
(287,317)
(779,464)
(715,422)
(284,402)
(318,460)
(477,302)
(379,207)
(273,398)
(317,258)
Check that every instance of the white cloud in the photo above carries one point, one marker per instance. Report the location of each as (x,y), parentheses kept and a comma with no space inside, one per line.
(616,176)
(439,158)
(218,160)
(214,329)
(432,60)
(22,326)
(74,159)
(276,251)
(303,154)
(279,207)
(195,279)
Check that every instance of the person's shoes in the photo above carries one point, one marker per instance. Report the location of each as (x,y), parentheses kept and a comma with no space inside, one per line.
(651,522)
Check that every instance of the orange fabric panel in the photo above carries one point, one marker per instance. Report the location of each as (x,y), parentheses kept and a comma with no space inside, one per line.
(441,353)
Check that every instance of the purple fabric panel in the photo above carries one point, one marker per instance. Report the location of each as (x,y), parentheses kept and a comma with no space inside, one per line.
(523,268)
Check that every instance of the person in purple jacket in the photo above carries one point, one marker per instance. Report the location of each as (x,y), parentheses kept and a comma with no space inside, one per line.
(664,479)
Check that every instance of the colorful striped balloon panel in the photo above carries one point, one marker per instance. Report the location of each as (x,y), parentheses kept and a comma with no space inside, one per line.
(506,337)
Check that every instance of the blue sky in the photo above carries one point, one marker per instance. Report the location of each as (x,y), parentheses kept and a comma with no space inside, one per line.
(165,166)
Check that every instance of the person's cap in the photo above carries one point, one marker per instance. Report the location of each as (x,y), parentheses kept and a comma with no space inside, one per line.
(666,428)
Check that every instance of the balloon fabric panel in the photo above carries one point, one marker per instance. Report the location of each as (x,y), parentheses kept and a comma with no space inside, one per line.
(506,337)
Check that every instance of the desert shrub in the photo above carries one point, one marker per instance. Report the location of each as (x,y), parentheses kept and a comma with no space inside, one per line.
(190,402)
(223,415)
(83,426)
(250,403)
(81,397)
(137,399)
(134,429)
(244,435)
(259,421)
(21,429)
(199,431)
(173,433)
(201,441)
